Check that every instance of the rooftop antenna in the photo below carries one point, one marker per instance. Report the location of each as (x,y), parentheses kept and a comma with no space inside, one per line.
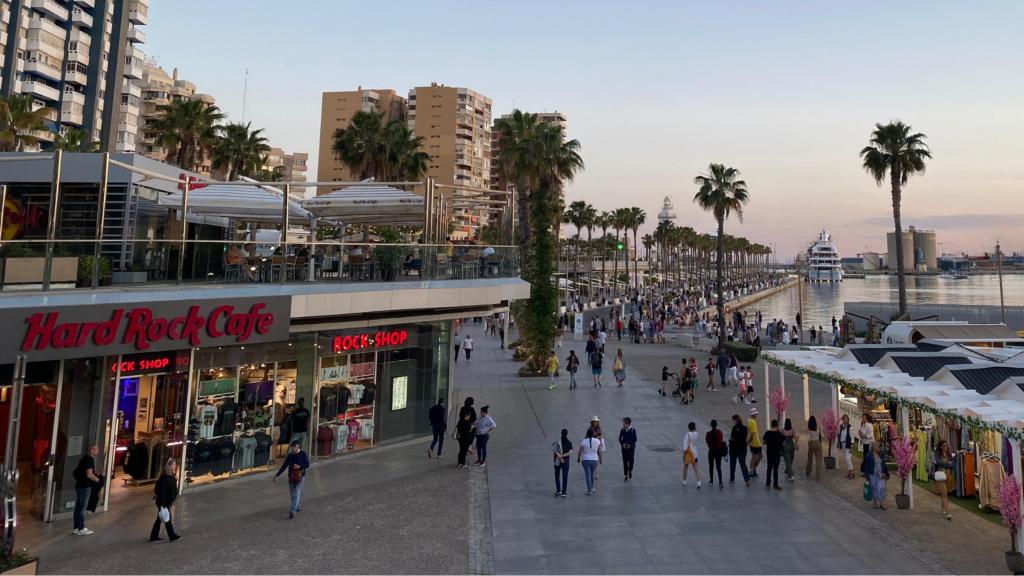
(245,93)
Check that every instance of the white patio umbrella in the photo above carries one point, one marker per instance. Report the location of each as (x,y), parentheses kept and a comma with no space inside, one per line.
(240,202)
(369,203)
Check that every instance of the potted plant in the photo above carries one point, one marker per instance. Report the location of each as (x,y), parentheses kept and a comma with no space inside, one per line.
(18,562)
(85,271)
(830,426)
(136,274)
(779,402)
(904,452)
(1009,508)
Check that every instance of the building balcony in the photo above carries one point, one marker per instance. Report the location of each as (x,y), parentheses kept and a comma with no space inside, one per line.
(82,37)
(40,89)
(138,12)
(38,23)
(131,88)
(133,70)
(86,3)
(75,77)
(55,9)
(69,117)
(43,69)
(80,56)
(81,17)
(76,97)
(136,35)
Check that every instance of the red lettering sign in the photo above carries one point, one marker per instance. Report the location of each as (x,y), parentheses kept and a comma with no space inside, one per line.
(140,328)
(369,341)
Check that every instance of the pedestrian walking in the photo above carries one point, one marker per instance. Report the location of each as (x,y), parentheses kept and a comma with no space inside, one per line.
(942,467)
(562,452)
(866,433)
(627,441)
(85,479)
(773,441)
(619,368)
(877,473)
(789,440)
(590,457)
(501,336)
(165,492)
(552,366)
(844,441)
(464,434)
(813,449)
(457,343)
(710,368)
(484,426)
(590,348)
(596,360)
(722,363)
(754,442)
(572,366)
(467,346)
(296,464)
(733,374)
(438,417)
(664,381)
(691,453)
(717,449)
(738,449)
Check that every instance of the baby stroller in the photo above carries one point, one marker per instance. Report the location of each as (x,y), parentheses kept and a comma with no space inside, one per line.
(679,391)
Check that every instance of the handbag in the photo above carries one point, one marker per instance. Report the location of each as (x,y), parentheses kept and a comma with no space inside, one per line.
(295,475)
(164,514)
(867,492)
(688,457)
(940,476)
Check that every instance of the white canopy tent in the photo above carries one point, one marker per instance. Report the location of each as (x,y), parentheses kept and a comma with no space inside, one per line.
(250,203)
(369,203)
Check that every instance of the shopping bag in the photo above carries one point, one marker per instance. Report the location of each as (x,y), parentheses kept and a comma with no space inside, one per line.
(165,514)
(867,492)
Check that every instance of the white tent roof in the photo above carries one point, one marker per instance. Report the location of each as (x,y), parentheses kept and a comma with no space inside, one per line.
(250,203)
(369,203)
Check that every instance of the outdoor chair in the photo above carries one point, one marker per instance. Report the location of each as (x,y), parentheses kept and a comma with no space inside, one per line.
(232,272)
(278,266)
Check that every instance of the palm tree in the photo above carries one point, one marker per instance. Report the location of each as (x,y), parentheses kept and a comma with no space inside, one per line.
(187,130)
(620,221)
(589,222)
(405,159)
(721,193)
(575,215)
(239,150)
(637,217)
(604,222)
(18,120)
(648,242)
(75,140)
(514,132)
(361,146)
(895,150)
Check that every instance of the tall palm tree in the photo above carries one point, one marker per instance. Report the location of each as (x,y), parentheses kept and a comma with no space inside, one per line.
(620,222)
(721,192)
(19,118)
(894,150)
(515,132)
(637,217)
(405,159)
(604,222)
(187,130)
(361,146)
(239,150)
(574,215)
(589,222)
(648,242)
(75,140)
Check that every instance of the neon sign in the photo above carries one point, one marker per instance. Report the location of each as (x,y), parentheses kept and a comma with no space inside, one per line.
(369,340)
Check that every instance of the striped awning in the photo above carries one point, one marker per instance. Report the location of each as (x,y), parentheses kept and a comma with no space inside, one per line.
(369,203)
(241,202)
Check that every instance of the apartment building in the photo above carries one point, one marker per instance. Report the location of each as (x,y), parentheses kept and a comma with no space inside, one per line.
(291,166)
(497,182)
(337,110)
(158,88)
(78,58)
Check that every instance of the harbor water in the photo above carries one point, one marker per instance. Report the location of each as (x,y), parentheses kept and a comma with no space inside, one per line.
(822,301)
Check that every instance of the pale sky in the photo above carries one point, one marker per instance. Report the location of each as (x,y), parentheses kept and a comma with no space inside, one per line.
(787,92)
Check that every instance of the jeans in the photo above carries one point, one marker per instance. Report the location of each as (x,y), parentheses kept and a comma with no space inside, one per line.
(572,379)
(481,448)
(464,445)
(740,455)
(456,353)
(562,476)
(721,376)
(155,532)
(628,457)
(469,353)
(589,466)
(714,463)
(788,453)
(295,491)
(438,431)
(772,475)
(81,500)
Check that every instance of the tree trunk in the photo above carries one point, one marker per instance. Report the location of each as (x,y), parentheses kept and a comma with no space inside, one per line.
(625,253)
(615,264)
(523,213)
(901,280)
(636,275)
(590,264)
(720,301)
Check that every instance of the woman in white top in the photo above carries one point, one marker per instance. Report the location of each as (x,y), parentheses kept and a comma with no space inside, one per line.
(691,453)
(590,456)
(866,434)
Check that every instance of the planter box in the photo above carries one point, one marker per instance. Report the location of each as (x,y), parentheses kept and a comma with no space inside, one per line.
(30,568)
(29,270)
(130,277)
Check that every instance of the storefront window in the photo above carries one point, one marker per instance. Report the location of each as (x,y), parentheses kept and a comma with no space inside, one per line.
(347,402)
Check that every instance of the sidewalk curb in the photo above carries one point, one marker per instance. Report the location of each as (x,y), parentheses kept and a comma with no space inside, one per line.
(481,533)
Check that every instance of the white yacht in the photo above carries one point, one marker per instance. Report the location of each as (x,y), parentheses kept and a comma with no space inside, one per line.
(823,264)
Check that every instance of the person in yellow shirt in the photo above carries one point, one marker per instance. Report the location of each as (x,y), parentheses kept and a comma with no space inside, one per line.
(552,366)
(754,442)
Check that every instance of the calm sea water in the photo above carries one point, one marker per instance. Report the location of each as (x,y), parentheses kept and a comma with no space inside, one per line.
(822,301)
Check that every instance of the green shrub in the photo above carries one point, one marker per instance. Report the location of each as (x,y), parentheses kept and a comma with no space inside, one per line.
(743,352)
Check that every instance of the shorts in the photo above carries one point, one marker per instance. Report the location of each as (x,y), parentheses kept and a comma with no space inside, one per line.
(596,371)
(755,449)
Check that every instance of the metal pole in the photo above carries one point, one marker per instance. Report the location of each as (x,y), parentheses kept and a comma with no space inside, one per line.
(3,205)
(51,221)
(284,233)
(101,217)
(807,398)
(999,266)
(184,227)
(428,195)
(10,471)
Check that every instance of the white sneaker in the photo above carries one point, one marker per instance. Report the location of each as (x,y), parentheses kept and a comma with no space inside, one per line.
(698,483)
(84,532)
(75,531)
(684,482)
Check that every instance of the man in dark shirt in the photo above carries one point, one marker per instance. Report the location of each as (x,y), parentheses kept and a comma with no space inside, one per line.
(773,440)
(738,449)
(627,440)
(296,464)
(85,478)
(438,424)
(300,423)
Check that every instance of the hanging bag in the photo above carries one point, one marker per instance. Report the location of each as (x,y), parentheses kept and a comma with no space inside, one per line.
(165,514)
(867,492)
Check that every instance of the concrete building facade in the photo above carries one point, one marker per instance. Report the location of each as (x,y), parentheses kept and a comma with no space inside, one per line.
(336,112)
(80,59)
(291,166)
(161,89)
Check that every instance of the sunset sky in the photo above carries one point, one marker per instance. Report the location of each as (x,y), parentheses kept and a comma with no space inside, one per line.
(787,92)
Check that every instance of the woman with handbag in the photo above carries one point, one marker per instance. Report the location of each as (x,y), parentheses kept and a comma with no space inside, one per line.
(691,453)
(942,466)
(619,368)
(877,473)
(165,492)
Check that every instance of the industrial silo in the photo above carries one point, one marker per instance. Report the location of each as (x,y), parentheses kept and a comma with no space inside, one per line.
(924,246)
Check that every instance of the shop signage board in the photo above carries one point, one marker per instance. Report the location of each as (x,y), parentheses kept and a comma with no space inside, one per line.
(157,363)
(217,387)
(369,340)
(399,392)
(577,325)
(76,331)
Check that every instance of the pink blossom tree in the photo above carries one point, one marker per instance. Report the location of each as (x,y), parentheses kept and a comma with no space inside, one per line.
(830,425)
(904,452)
(1009,508)
(779,402)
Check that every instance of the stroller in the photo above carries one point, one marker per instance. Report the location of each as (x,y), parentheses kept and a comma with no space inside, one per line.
(679,391)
